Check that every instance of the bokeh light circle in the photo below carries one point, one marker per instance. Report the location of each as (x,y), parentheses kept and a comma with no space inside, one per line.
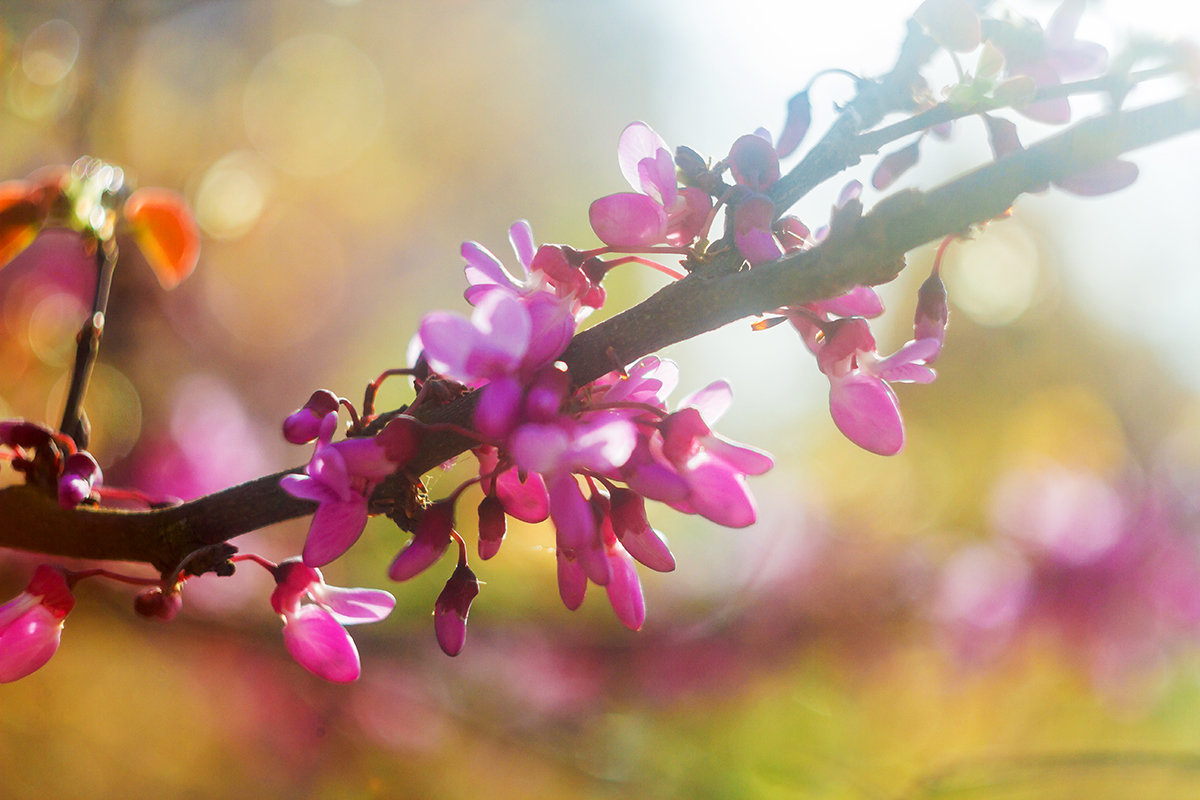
(313,104)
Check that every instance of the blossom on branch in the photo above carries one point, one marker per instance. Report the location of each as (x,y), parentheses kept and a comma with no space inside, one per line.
(315,632)
(339,477)
(658,211)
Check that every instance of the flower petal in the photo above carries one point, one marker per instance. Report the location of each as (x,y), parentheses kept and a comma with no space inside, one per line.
(624,590)
(866,411)
(628,220)
(353,605)
(319,644)
(336,525)
(28,642)
(638,141)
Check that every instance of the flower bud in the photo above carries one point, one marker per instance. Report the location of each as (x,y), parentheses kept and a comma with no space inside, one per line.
(303,425)
(154,603)
(451,609)
(429,542)
(491,526)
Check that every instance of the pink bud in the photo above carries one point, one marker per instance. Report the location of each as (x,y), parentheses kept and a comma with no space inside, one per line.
(1002,135)
(401,439)
(303,425)
(80,474)
(895,164)
(1109,176)
(491,526)
(451,609)
(932,310)
(799,117)
(625,590)
(633,529)
(156,604)
(429,542)
(572,582)
(753,162)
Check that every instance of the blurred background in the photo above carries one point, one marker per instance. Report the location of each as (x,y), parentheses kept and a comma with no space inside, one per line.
(1010,608)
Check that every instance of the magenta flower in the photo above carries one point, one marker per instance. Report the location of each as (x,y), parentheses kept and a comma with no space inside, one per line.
(506,340)
(861,402)
(315,633)
(694,470)
(31,623)
(339,478)
(553,269)
(658,212)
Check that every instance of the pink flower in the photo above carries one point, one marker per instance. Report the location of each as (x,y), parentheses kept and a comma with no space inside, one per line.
(314,633)
(339,478)
(861,402)
(553,269)
(691,468)
(658,212)
(31,623)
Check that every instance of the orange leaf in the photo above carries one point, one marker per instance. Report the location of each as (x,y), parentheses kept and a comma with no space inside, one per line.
(21,217)
(165,232)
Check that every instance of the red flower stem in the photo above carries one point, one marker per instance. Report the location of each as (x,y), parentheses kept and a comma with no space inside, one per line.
(657,250)
(462,547)
(75,577)
(663,268)
(941,253)
(373,389)
(269,566)
(88,346)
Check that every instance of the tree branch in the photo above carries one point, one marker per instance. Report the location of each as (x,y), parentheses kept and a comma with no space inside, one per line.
(868,251)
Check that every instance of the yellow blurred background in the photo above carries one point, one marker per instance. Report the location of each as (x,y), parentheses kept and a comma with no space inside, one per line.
(1008,609)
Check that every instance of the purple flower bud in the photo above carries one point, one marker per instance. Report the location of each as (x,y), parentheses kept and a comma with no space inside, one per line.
(895,164)
(451,609)
(634,532)
(799,117)
(572,582)
(625,590)
(932,310)
(1002,135)
(401,439)
(1109,176)
(491,526)
(303,425)
(753,162)
(154,603)
(429,542)
(80,474)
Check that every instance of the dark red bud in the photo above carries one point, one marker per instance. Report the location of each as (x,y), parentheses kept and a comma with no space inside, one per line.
(156,604)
